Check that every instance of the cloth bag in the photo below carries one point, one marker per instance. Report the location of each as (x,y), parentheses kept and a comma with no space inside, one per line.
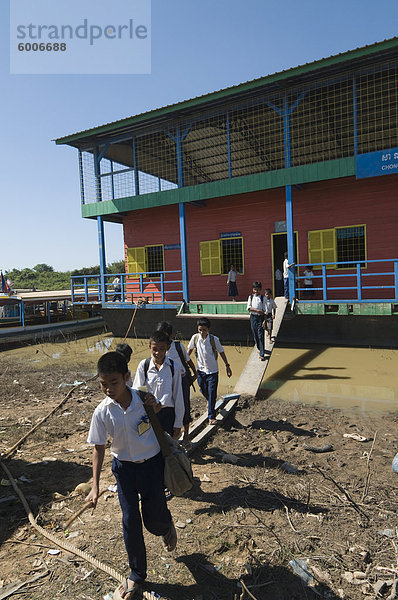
(178,476)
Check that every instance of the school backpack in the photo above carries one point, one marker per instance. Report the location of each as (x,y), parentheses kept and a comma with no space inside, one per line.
(251,298)
(147,363)
(212,343)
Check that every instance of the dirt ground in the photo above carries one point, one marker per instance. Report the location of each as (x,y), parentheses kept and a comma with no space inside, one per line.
(241,525)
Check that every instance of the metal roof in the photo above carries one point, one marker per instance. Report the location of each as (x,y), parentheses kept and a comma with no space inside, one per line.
(205,101)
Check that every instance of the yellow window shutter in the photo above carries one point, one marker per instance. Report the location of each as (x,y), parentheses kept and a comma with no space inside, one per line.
(136,260)
(329,247)
(210,257)
(321,247)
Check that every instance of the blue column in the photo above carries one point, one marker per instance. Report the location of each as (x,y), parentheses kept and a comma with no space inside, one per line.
(183,243)
(289,202)
(102,259)
(181,212)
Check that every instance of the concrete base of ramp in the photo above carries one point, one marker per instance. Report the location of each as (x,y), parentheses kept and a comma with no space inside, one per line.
(253,373)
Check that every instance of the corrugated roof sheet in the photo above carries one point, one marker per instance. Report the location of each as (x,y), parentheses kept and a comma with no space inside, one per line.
(241,87)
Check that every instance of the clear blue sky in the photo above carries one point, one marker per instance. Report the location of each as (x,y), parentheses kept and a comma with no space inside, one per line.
(197,47)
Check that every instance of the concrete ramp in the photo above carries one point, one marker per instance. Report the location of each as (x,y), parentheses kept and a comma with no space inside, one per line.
(253,373)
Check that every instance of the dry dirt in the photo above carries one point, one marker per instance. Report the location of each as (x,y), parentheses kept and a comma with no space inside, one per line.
(241,522)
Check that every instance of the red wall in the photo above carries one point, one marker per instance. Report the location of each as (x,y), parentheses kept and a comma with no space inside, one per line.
(319,205)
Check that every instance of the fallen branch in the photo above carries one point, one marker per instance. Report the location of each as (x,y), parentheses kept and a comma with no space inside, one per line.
(343,491)
(246,589)
(80,511)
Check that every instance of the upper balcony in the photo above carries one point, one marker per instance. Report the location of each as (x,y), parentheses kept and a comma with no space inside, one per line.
(304,124)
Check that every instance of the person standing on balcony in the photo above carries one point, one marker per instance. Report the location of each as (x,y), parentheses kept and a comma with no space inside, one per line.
(231,282)
(117,288)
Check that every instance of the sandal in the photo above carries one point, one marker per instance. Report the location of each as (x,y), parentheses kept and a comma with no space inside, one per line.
(212,421)
(124,592)
(170,539)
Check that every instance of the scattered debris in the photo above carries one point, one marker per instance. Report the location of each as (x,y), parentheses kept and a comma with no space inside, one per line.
(300,568)
(318,449)
(357,437)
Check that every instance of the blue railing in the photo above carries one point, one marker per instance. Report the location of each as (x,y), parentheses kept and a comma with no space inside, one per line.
(358,281)
(150,286)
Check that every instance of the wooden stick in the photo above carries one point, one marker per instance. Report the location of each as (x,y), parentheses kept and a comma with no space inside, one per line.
(346,494)
(80,511)
(368,474)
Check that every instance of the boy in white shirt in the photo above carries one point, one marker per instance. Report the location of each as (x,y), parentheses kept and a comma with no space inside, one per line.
(269,312)
(181,358)
(207,347)
(255,306)
(137,466)
(163,379)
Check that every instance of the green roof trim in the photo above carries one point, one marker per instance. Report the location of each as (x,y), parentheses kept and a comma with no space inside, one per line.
(231,91)
(333,169)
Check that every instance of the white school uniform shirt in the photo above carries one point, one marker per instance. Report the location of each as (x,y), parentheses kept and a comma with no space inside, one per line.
(269,305)
(110,419)
(166,388)
(285,268)
(175,357)
(308,277)
(206,362)
(255,302)
(231,276)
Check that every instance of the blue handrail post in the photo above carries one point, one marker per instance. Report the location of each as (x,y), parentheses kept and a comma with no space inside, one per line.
(48,312)
(359,282)
(141,284)
(85,290)
(123,295)
(324,283)
(22,313)
(162,286)
(101,245)
(396,278)
(72,289)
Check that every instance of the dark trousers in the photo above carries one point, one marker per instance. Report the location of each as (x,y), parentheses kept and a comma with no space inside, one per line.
(186,392)
(208,386)
(166,418)
(256,323)
(145,479)
(286,287)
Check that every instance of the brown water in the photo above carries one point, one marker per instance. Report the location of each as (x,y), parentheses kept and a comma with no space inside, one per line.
(84,353)
(364,379)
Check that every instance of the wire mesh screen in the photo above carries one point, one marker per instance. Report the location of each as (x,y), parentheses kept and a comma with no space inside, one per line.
(350,245)
(377,109)
(87,178)
(232,254)
(321,126)
(247,137)
(205,152)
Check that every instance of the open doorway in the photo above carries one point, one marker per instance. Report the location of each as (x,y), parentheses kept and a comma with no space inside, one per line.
(279,247)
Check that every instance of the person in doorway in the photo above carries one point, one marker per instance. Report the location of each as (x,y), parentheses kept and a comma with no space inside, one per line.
(207,347)
(269,313)
(286,267)
(255,306)
(137,466)
(308,282)
(278,282)
(178,354)
(231,282)
(117,288)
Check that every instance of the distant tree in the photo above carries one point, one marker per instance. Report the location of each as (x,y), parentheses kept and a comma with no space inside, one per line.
(43,268)
(117,267)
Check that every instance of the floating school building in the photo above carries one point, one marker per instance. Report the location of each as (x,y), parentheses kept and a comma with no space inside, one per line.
(305,160)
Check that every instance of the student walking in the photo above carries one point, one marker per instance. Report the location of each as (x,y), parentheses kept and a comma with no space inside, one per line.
(178,354)
(163,379)
(207,347)
(269,312)
(255,306)
(137,466)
